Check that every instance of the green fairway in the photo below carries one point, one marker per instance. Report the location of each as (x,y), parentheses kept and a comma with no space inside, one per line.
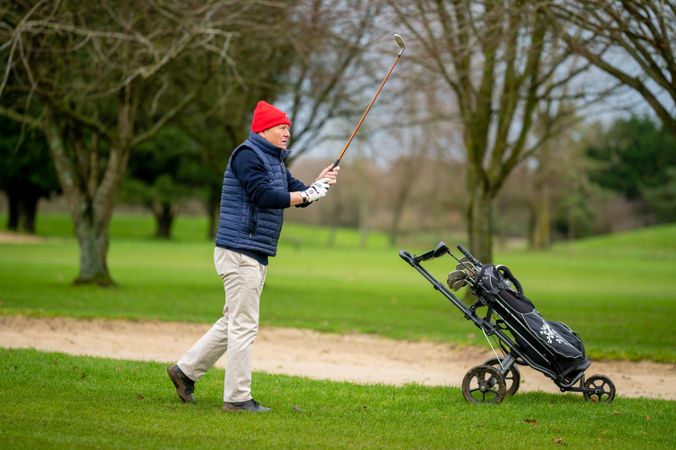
(618,292)
(59,401)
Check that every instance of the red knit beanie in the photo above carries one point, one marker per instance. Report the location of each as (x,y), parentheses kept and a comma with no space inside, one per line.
(266,116)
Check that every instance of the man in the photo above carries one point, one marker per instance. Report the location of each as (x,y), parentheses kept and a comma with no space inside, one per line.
(257,187)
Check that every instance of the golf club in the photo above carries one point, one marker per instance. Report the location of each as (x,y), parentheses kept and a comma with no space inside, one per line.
(400,43)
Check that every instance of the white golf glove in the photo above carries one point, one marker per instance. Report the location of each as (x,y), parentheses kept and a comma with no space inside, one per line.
(317,190)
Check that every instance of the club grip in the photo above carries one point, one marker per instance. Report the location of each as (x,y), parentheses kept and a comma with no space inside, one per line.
(335,164)
(469,256)
(424,257)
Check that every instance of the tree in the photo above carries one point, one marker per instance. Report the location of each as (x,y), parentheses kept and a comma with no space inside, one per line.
(407,168)
(634,157)
(500,60)
(219,117)
(631,40)
(309,60)
(107,78)
(26,173)
(548,167)
(331,66)
(662,199)
(161,173)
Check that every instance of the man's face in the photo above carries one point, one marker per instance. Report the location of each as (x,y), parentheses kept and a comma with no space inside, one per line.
(278,136)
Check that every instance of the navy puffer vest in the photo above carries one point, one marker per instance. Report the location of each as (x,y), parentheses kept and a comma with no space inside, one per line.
(242,224)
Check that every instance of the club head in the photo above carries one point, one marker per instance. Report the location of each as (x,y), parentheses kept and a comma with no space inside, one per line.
(458,284)
(400,43)
(440,250)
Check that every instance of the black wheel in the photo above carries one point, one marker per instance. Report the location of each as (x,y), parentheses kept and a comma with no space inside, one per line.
(484,384)
(599,388)
(512,377)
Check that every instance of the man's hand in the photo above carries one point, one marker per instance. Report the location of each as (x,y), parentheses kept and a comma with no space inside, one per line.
(330,174)
(317,190)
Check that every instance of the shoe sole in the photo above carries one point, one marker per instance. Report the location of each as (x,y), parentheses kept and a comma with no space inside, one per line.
(178,385)
(242,411)
(234,409)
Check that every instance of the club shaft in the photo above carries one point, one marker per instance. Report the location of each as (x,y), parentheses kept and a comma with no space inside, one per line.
(368,108)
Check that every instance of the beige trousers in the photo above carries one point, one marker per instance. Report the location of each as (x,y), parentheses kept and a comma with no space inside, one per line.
(243,278)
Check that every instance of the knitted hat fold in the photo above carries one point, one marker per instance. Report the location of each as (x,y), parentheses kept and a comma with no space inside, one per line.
(266,116)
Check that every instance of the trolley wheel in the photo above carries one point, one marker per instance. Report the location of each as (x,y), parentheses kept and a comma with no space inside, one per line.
(512,377)
(599,388)
(484,384)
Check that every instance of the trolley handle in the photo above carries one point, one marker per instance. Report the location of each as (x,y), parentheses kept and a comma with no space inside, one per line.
(469,256)
(440,250)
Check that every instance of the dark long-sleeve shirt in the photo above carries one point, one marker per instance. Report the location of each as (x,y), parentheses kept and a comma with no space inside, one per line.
(251,173)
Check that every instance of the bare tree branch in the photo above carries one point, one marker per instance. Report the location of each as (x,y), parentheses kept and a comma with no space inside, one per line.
(643,31)
(24,119)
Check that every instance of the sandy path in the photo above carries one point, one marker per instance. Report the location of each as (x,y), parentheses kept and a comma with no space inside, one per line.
(355,358)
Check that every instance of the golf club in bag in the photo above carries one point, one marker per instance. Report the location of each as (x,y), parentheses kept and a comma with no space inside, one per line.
(502,310)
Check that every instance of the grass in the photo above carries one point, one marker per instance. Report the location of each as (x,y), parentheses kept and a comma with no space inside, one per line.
(617,291)
(623,307)
(60,401)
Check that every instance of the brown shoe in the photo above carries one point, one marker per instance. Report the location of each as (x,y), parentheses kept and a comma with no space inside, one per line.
(184,385)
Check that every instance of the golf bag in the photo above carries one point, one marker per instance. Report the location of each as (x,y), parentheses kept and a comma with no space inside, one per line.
(546,343)
(502,311)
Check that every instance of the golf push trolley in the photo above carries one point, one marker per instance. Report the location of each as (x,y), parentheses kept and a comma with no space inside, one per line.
(503,311)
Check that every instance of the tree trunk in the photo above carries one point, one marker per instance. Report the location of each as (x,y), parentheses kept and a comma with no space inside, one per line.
(29,208)
(541,227)
(92,236)
(540,237)
(363,220)
(14,209)
(333,218)
(396,217)
(23,204)
(90,201)
(571,224)
(164,219)
(213,203)
(480,224)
